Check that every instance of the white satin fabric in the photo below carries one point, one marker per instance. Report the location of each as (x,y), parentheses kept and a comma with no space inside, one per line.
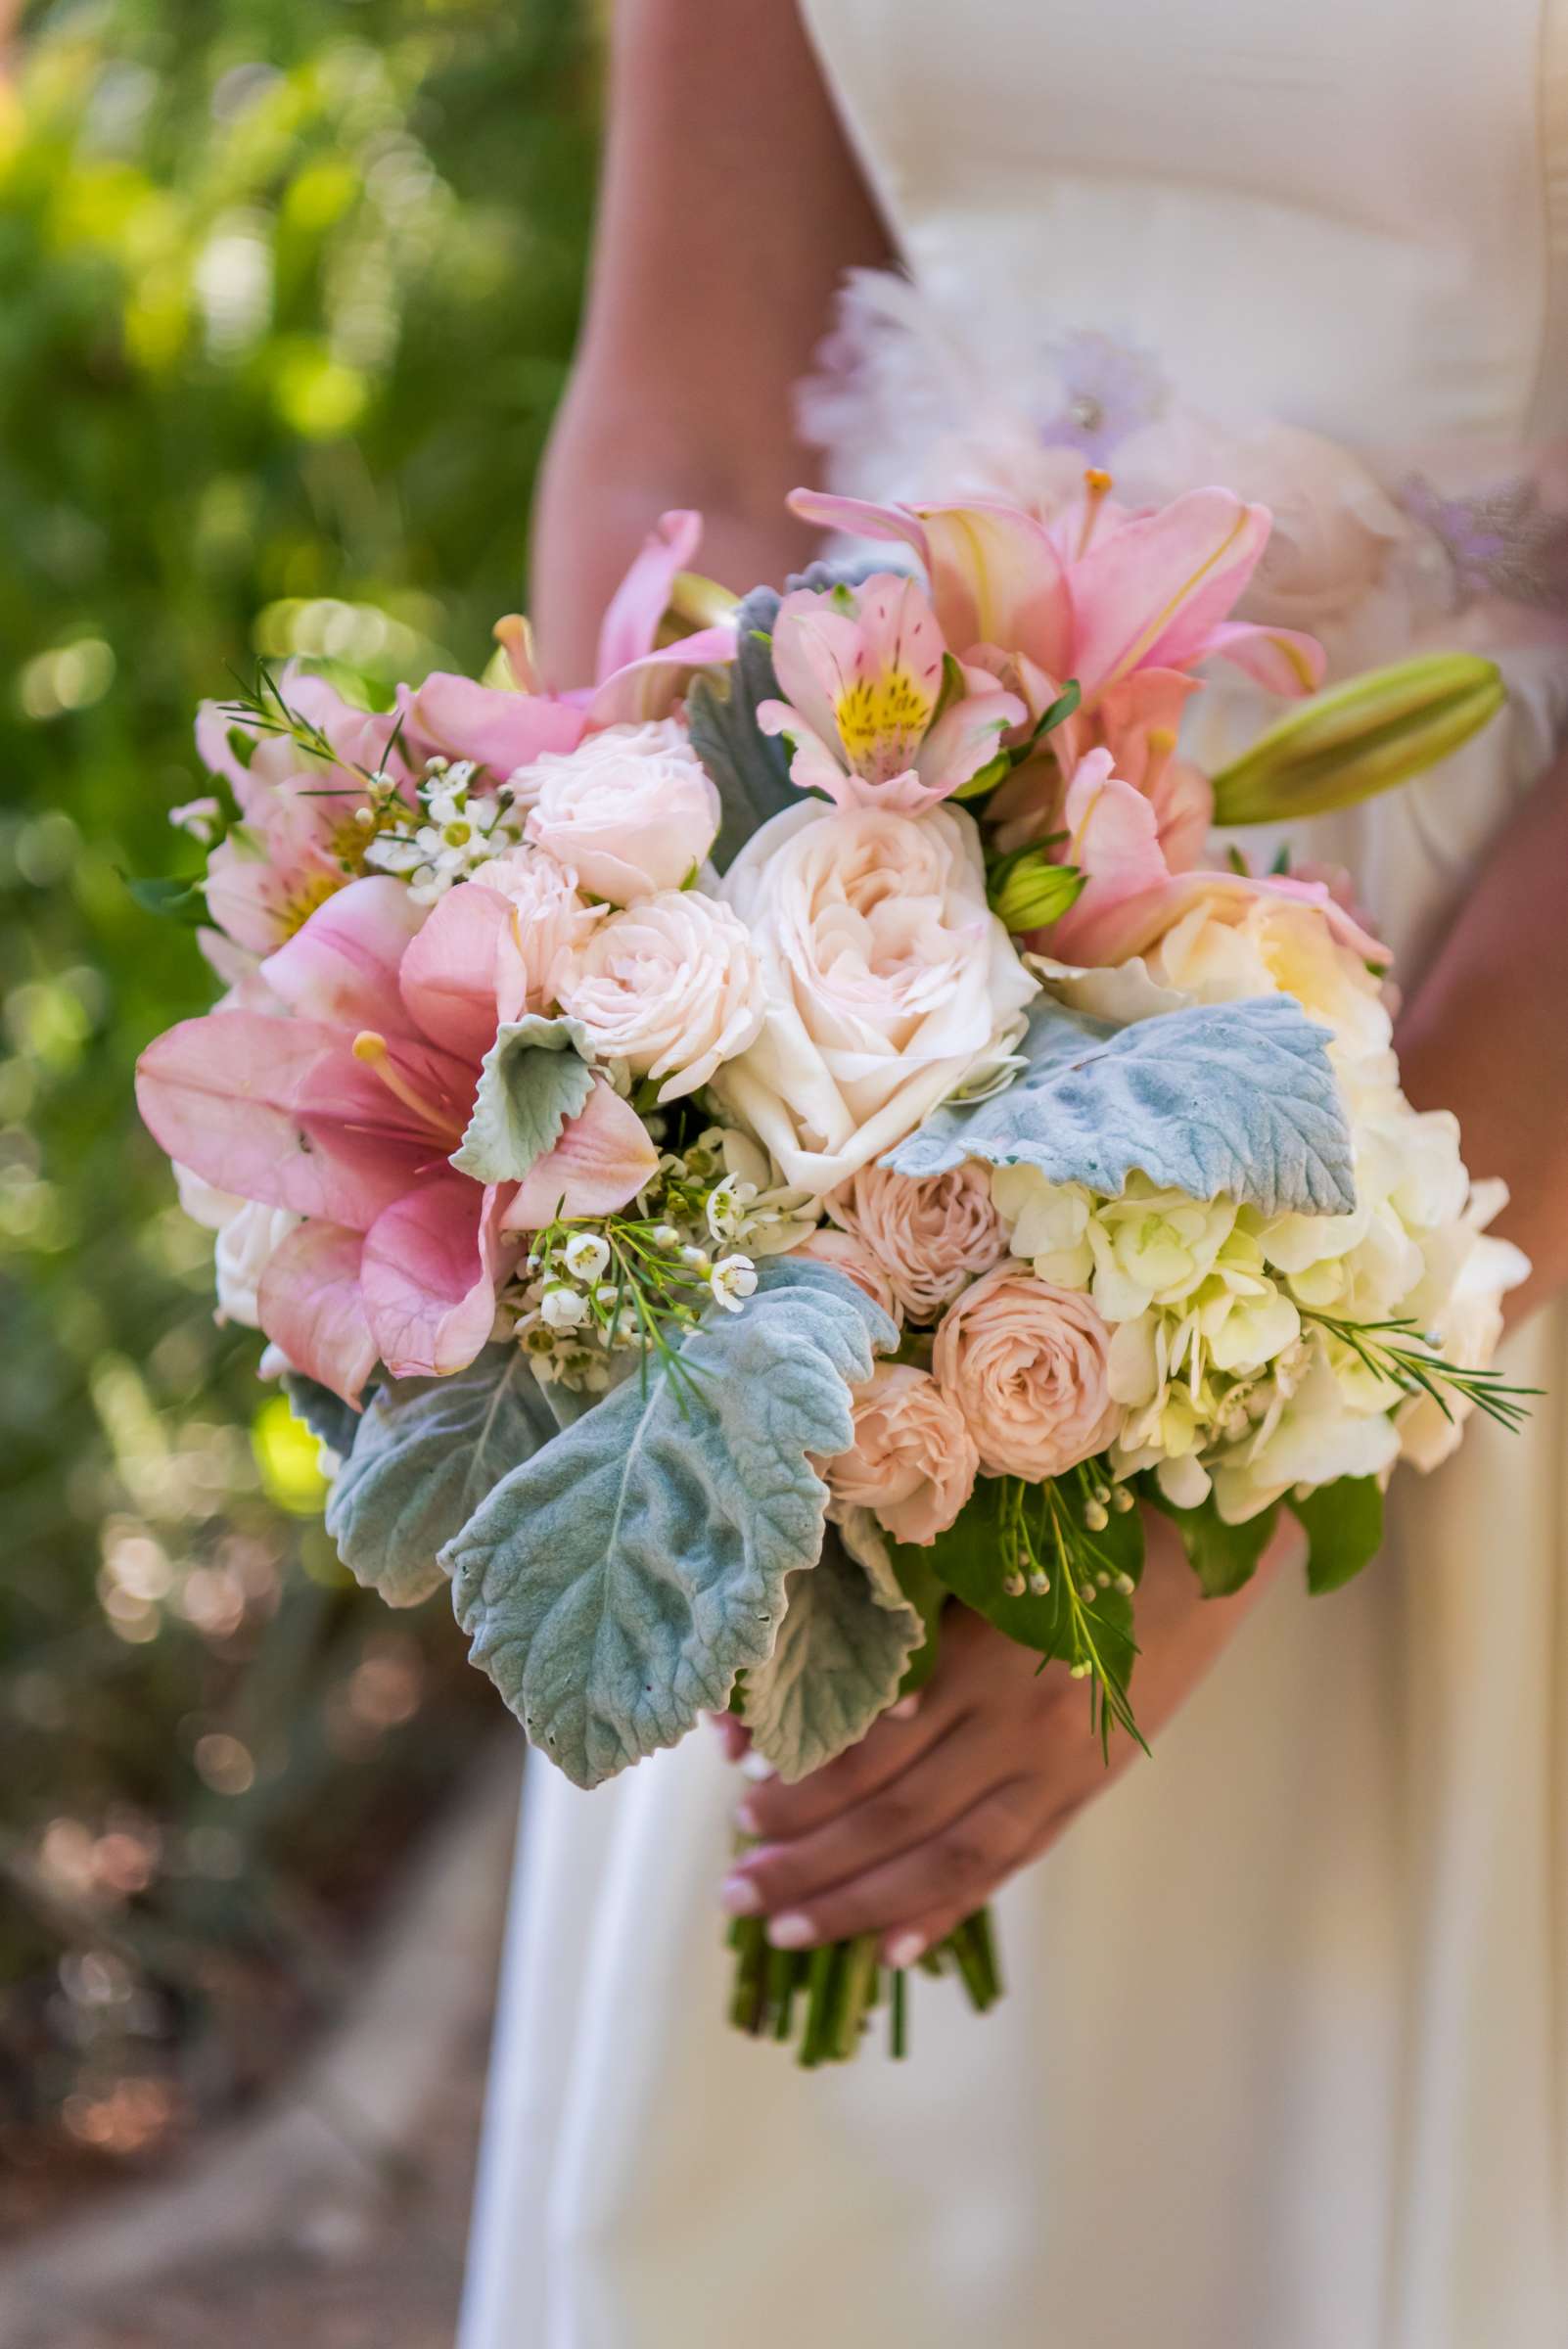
(1285,2062)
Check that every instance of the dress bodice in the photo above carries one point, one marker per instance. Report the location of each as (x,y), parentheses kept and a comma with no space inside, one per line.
(1351,217)
(1317,255)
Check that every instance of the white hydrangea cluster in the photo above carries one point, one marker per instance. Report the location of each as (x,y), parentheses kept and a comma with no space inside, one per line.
(1226,1354)
(461,830)
(593,1292)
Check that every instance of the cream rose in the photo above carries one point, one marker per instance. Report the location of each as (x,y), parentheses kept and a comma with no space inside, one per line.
(913,1461)
(632,810)
(1227,946)
(930,1238)
(1027,1366)
(887,979)
(670,986)
(248,1236)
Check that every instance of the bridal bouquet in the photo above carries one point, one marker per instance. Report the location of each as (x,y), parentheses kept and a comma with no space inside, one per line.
(735,1157)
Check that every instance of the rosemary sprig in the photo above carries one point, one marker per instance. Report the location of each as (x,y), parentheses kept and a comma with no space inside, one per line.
(1399,1352)
(1050,1546)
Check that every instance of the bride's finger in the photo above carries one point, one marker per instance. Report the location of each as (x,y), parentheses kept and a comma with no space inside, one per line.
(774,1811)
(938,1787)
(956,1869)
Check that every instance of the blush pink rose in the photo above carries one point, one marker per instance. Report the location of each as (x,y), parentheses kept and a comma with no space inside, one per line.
(632,811)
(854,1259)
(670,987)
(930,1238)
(548,924)
(1027,1366)
(913,1461)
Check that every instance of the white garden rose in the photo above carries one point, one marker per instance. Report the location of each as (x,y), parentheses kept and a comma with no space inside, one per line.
(670,986)
(632,810)
(888,981)
(249,1235)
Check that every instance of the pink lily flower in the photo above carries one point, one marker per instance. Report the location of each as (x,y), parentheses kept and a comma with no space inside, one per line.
(1131,898)
(1129,592)
(346,1110)
(863,670)
(1128,604)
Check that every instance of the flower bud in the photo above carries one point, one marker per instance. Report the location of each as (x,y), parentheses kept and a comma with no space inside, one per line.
(1359,739)
(1027,891)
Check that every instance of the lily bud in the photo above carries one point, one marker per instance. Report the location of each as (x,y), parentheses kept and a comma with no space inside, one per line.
(1027,891)
(1360,739)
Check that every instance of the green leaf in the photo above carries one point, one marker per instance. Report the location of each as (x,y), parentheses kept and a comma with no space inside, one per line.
(615,1583)
(1237,1098)
(172,898)
(532,1079)
(427,1453)
(846,1635)
(1344,1527)
(1223,1557)
(330,1419)
(968,1561)
(928,1594)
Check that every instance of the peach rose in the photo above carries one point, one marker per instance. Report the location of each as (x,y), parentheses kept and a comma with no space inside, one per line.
(930,1238)
(854,1259)
(670,986)
(913,1461)
(1026,1363)
(632,810)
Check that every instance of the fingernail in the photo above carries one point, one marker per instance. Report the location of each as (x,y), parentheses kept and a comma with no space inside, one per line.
(907,1707)
(791,1932)
(906,1949)
(753,1764)
(745,1819)
(740,1896)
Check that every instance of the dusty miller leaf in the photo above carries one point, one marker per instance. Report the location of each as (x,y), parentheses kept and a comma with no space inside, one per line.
(842,1648)
(1238,1098)
(531,1079)
(330,1419)
(614,1584)
(426,1452)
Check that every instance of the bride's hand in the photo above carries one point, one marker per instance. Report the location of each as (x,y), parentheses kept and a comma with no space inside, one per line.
(952,1791)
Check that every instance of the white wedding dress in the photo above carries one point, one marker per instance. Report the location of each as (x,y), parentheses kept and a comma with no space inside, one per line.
(1285,2059)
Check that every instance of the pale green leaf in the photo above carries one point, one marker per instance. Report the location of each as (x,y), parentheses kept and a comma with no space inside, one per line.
(532,1079)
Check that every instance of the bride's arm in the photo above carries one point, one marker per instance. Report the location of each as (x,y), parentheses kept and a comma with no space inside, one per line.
(1485,1033)
(728,210)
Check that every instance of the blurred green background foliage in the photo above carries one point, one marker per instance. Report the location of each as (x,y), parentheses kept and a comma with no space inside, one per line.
(288,292)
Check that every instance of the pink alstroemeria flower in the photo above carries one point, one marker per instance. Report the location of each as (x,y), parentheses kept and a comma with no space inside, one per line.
(1128,604)
(300,841)
(863,670)
(345,1102)
(1131,898)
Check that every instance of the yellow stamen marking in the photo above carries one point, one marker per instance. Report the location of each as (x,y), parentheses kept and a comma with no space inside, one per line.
(881,720)
(1096,489)
(1162,745)
(372,1049)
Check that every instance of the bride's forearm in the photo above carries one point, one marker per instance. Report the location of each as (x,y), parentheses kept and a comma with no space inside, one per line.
(1486,1032)
(607,479)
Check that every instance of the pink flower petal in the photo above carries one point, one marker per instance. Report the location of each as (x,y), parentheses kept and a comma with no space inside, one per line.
(815,650)
(1283,660)
(281,1111)
(631,624)
(429,1277)
(1150,593)
(448,975)
(997,579)
(603,1159)
(965,737)
(310,1304)
(858,518)
(640,690)
(453,717)
(343,964)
